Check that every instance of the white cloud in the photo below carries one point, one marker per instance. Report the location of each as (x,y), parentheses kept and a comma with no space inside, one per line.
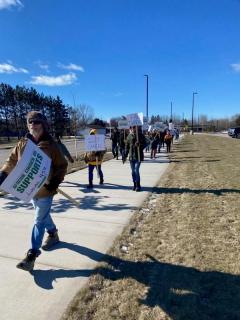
(9,68)
(63,80)
(236,67)
(71,66)
(4,4)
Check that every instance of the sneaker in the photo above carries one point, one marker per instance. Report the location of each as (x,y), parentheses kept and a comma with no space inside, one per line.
(90,186)
(51,240)
(27,263)
(101,181)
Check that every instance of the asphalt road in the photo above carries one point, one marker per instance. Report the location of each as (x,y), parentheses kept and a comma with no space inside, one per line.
(70,144)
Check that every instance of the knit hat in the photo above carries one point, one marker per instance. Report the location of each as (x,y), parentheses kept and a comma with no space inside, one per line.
(93,131)
(38,116)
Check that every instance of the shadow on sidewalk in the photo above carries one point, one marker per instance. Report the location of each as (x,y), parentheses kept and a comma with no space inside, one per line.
(182,292)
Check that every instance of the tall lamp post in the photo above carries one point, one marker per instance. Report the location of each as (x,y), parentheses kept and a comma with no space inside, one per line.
(171,110)
(193,101)
(146,75)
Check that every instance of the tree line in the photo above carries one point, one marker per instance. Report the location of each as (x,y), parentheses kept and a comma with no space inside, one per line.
(16,102)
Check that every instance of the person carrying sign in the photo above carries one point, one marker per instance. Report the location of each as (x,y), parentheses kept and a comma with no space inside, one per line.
(94,159)
(135,144)
(115,141)
(42,201)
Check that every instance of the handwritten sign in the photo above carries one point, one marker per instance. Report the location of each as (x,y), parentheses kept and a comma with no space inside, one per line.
(95,142)
(29,175)
(123,124)
(135,119)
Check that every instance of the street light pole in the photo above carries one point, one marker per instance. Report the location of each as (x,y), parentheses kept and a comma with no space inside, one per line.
(171,109)
(146,75)
(193,101)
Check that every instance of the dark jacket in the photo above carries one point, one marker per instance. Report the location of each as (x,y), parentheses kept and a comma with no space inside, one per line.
(131,148)
(49,147)
(115,136)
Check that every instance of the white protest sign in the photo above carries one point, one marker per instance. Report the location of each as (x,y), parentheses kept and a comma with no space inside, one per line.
(145,124)
(95,142)
(135,119)
(123,124)
(171,126)
(29,175)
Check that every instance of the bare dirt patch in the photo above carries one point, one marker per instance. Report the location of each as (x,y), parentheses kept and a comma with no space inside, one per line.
(179,257)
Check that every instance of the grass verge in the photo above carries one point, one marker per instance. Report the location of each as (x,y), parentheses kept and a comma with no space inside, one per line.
(180,259)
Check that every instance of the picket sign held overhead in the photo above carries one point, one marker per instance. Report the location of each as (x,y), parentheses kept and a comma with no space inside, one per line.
(95,142)
(171,126)
(135,119)
(145,124)
(123,124)
(29,175)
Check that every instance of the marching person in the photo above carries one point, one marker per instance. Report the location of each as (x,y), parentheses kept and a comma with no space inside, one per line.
(135,144)
(115,140)
(168,140)
(42,201)
(94,160)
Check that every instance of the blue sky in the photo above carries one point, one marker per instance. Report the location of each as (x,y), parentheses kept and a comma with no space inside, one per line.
(97,52)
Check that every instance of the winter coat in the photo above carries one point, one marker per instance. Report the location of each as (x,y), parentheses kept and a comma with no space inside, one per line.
(115,136)
(168,138)
(94,157)
(49,147)
(131,149)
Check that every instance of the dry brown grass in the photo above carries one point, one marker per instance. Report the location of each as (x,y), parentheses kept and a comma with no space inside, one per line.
(183,260)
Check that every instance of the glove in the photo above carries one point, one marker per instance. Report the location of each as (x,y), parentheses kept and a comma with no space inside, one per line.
(3,176)
(53,185)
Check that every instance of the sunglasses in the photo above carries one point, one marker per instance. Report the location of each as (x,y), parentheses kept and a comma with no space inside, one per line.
(34,122)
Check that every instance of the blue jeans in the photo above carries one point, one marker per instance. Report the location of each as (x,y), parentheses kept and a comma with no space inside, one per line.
(90,173)
(42,221)
(135,165)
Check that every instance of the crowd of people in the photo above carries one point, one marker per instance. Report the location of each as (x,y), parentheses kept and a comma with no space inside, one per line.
(130,144)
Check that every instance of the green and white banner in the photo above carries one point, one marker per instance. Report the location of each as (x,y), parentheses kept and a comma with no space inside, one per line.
(29,175)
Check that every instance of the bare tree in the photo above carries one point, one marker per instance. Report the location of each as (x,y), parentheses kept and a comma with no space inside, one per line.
(85,115)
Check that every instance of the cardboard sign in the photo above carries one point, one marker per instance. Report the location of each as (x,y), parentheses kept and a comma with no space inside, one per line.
(145,124)
(135,119)
(29,175)
(123,124)
(95,142)
(171,126)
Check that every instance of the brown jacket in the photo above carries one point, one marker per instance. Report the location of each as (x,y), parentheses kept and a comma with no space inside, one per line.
(49,146)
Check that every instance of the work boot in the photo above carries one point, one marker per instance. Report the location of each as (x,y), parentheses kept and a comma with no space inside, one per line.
(51,240)
(27,263)
(134,186)
(138,187)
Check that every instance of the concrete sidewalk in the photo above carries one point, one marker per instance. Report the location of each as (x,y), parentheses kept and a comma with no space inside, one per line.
(85,233)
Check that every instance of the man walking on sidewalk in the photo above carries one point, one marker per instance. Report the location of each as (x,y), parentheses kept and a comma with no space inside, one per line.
(135,144)
(42,202)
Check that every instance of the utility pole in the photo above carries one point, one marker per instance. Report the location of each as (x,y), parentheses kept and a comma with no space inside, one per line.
(146,75)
